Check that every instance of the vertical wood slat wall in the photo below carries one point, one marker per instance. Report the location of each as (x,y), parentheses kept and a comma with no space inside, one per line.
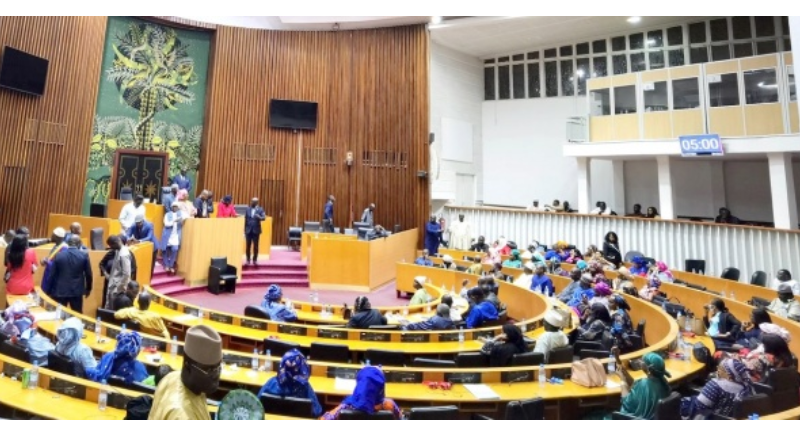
(372,90)
(44,141)
(371,85)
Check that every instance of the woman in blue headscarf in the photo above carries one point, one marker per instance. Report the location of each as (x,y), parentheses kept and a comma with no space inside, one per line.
(122,361)
(272,304)
(721,394)
(292,381)
(639,267)
(368,397)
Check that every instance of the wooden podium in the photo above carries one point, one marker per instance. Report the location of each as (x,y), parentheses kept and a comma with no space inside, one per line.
(203,239)
(345,263)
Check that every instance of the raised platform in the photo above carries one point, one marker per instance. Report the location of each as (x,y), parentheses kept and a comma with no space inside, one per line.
(283,268)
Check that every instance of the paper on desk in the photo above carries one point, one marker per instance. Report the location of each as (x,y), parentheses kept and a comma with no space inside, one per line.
(44,316)
(482,391)
(344,384)
(611,384)
(184,318)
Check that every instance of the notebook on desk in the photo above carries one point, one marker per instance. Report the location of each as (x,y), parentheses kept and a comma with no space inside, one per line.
(482,391)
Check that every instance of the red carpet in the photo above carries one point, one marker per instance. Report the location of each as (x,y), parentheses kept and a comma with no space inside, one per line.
(235,303)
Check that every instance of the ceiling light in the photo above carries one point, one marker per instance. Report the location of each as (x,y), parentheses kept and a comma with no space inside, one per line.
(634,19)
(580,73)
(436,20)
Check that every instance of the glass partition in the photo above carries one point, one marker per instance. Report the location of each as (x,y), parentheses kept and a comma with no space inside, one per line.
(624,100)
(600,102)
(723,90)
(760,86)
(655,97)
(685,94)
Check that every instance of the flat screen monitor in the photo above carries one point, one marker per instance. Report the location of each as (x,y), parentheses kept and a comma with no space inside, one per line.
(292,114)
(23,72)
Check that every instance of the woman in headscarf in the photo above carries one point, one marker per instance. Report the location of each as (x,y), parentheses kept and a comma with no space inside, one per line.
(364,315)
(226,208)
(492,257)
(292,381)
(502,347)
(751,331)
(639,267)
(185,205)
(597,270)
(645,394)
(652,213)
(651,290)
(582,266)
(623,280)
(171,234)
(368,397)
(122,361)
(582,295)
(773,354)
(597,323)
(602,294)
(17,320)
(502,246)
(20,266)
(514,261)
(661,271)
(69,345)
(573,257)
(621,324)
(272,304)
(721,394)
(611,250)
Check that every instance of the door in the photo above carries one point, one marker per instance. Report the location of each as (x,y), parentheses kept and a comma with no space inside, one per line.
(272,200)
(144,172)
(465,189)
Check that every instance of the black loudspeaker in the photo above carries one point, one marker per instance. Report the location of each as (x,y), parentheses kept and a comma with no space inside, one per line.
(422,174)
(97,210)
(396,229)
(431,138)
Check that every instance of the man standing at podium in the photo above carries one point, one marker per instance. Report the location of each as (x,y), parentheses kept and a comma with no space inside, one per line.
(327,215)
(252,229)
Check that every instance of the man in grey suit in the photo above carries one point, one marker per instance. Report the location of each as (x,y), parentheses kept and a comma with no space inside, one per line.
(368,215)
(252,229)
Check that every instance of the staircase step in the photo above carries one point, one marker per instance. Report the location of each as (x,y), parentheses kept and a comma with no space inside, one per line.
(161,280)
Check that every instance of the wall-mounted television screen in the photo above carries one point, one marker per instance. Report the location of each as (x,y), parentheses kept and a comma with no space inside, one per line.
(23,72)
(292,114)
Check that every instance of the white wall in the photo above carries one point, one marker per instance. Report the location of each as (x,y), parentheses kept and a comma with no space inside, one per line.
(641,185)
(456,93)
(747,190)
(522,152)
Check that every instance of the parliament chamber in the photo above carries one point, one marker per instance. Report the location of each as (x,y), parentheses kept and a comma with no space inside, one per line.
(289,222)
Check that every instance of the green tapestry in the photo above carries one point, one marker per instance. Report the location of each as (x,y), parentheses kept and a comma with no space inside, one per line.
(151,97)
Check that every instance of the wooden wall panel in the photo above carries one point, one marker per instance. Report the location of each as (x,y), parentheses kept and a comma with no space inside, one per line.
(54,162)
(372,90)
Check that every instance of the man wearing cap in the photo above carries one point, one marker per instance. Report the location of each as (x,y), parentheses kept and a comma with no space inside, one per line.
(447,262)
(182,395)
(552,337)
(420,295)
(524,280)
(71,276)
(168,199)
(127,217)
(368,215)
(441,321)
(785,305)
(142,231)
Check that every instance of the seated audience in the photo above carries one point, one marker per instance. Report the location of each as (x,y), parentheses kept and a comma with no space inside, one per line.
(514,261)
(278,312)
(661,271)
(69,345)
(161,372)
(420,295)
(364,315)
(640,266)
(651,290)
(497,272)
(368,396)
(124,299)
(583,293)
(440,321)
(774,354)
(721,394)
(553,336)
(292,381)
(623,280)
(601,209)
(621,324)
(784,277)
(785,305)
(602,294)
(423,259)
(597,324)
(535,206)
(455,314)
(723,327)
(16,320)
(750,335)
(637,211)
(555,267)
(503,249)
(652,213)
(447,262)
(641,400)
(476,268)
(541,282)
(566,295)
(481,246)
(149,321)
(502,348)
(20,266)
(122,362)
(726,217)
(481,310)
(555,207)
(526,278)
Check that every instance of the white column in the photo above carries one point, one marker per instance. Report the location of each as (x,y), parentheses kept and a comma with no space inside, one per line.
(665,193)
(718,199)
(584,185)
(617,200)
(781,181)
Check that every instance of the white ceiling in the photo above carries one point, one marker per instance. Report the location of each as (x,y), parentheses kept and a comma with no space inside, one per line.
(311,23)
(489,36)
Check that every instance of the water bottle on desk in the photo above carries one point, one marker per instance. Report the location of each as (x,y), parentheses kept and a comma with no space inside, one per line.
(612,364)
(58,312)
(254,360)
(678,318)
(461,336)
(688,324)
(97,334)
(542,375)
(173,349)
(268,365)
(33,380)
(102,397)
(722,294)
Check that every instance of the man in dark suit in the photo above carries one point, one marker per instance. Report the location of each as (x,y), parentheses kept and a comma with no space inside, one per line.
(327,215)
(204,205)
(72,276)
(183,181)
(142,231)
(252,229)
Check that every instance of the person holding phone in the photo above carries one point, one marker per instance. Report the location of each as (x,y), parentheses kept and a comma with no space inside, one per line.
(640,398)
